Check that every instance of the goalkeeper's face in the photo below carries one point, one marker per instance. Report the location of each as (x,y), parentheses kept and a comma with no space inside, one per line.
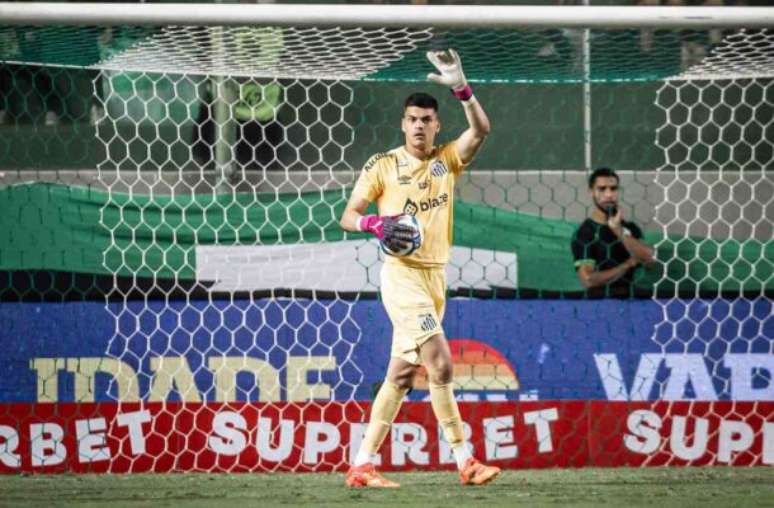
(420,125)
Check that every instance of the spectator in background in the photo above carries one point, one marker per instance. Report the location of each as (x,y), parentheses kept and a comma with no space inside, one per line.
(253,104)
(258,130)
(607,249)
(697,44)
(694,45)
(9,50)
(6,84)
(647,34)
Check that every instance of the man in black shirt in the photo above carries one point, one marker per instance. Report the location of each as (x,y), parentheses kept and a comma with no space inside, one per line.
(608,249)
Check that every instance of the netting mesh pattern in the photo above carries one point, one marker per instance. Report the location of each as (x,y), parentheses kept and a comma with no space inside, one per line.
(167,122)
(745,54)
(717,142)
(491,56)
(241,332)
(66,46)
(311,53)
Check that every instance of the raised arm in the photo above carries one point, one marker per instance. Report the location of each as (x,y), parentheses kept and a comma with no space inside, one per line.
(449,66)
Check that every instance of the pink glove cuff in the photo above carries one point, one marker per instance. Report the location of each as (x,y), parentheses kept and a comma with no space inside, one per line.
(372,224)
(464,93)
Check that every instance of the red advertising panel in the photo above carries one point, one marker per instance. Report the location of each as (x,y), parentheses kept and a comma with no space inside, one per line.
(244,437)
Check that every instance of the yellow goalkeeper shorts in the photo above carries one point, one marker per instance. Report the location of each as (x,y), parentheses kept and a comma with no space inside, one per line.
(415,299)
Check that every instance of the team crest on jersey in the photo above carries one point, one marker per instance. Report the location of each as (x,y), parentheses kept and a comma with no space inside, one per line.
(427,322)
(438,168)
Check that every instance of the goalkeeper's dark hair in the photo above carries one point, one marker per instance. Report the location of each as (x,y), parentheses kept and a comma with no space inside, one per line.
(602,172)
(421,100)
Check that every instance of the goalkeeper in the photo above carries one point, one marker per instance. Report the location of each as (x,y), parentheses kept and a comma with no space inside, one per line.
(418,178)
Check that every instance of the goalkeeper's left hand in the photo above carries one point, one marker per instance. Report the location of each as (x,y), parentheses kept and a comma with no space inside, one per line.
(449,65)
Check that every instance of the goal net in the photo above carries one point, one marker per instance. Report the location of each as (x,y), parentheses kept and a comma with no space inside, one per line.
(178,294)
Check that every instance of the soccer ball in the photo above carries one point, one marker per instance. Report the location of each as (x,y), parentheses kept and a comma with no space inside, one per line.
(408,220)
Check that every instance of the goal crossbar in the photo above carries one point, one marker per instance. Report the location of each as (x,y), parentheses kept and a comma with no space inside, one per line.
(446,16)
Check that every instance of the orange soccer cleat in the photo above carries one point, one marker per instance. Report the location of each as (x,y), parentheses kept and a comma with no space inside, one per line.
(367,476)
(476,473)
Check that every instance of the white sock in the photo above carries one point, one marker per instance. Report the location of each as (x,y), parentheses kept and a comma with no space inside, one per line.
(362,457)
(461,455)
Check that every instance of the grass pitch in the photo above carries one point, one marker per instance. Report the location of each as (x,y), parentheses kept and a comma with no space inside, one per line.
(662,487)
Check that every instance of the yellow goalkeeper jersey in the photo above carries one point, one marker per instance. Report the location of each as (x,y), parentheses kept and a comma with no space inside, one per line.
(401,183)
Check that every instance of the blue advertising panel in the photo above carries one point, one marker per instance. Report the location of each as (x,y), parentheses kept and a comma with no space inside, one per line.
(294,349)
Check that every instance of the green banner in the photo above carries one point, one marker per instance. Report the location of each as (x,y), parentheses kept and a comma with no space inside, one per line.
(76,229)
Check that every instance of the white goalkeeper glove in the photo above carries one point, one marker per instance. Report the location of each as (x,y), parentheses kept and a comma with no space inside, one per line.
(450,67)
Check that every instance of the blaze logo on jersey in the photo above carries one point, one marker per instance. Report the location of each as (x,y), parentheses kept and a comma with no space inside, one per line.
(410,207)
(438,168)
(427,322)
